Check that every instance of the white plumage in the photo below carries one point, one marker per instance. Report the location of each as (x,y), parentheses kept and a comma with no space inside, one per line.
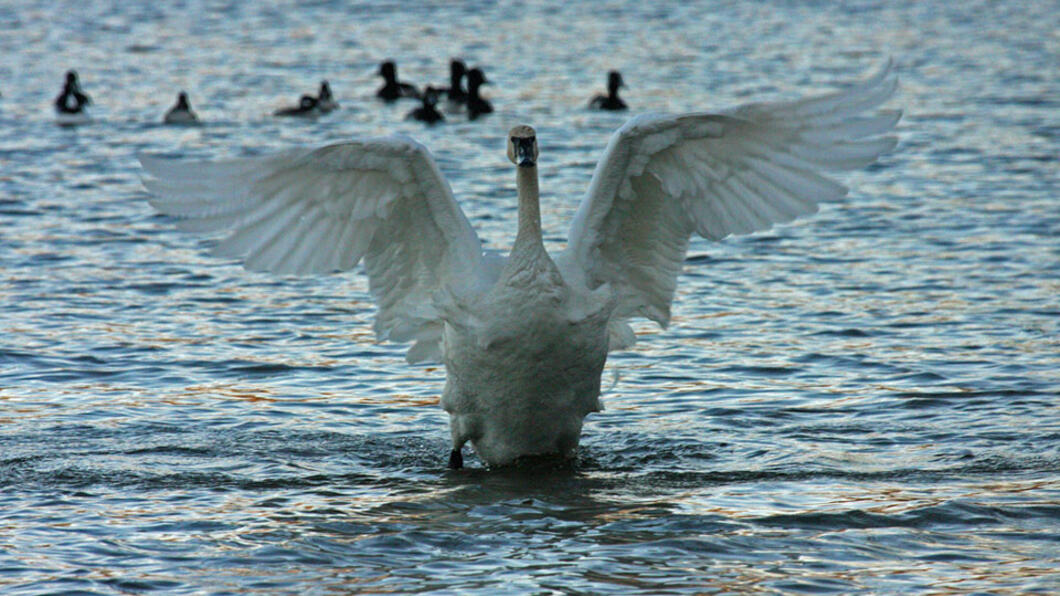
(524,337)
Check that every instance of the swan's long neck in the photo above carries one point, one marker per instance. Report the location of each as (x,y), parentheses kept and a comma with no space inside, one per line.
(529,267)
(529,264)
(529,235)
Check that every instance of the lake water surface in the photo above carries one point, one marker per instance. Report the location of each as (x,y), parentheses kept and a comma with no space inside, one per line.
(862,401)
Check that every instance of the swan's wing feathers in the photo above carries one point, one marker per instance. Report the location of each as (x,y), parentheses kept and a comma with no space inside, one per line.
(309,211)
(733,172)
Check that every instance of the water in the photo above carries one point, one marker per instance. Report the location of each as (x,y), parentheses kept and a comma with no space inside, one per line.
(864,401)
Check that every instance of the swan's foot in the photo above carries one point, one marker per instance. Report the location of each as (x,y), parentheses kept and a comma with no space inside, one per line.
(456,460)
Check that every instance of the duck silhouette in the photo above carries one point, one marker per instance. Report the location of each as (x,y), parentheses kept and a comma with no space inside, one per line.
(308,107)
(456,92)
(476,105)
(325,100)
(393,89)
(71,100)
(427,112)
(611,101)
(181,113)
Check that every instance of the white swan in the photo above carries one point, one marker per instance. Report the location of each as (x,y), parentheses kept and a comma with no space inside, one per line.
(524,338)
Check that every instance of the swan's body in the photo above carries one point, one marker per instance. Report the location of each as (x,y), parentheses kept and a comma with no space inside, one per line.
(181,112)
(524,358)
(524,338)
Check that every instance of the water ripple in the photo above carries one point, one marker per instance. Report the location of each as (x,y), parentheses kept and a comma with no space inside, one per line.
(864,402)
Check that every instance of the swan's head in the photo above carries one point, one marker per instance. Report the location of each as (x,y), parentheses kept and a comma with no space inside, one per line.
(522,146)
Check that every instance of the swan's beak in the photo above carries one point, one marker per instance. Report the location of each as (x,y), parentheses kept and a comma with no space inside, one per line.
(524,152)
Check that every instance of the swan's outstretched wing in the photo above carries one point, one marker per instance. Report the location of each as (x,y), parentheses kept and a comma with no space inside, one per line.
(742,170)
(309,211)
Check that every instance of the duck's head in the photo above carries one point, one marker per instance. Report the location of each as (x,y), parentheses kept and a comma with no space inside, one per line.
(388,70)
(325,90)
(522,146)
(182,100)
(614,81)
(71,78)
(457,68)
(475,77)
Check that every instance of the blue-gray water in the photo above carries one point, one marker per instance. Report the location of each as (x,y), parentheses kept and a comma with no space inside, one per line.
(863,401)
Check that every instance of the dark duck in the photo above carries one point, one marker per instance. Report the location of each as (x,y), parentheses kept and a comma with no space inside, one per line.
(456,92)
(325,100)
(476,106)
(181,113)
(72,100)
(427,112)
(393,89)
(308,106)
(611,101)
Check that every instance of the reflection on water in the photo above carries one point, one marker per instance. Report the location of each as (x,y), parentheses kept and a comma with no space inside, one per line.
(864,402)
